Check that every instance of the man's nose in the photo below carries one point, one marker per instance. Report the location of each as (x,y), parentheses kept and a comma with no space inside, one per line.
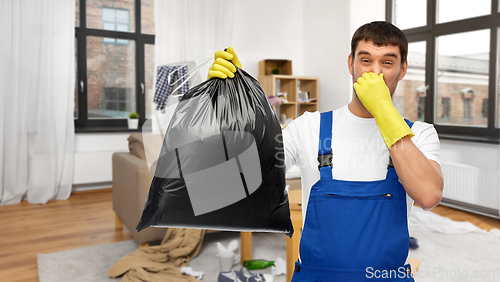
(377,69)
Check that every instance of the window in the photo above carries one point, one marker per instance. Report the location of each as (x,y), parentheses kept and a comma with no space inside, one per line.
(115,19)
(110,15)
(484,109)
(452,10)
(398,103)
(421,109)
(149,61)
(498,75)
(453,56)
(115,62)
(75,109)
(445,109)
(409,14)
(110,67)
(413,87)
(116,100)
(77,13)
(147,17)
(467,111)
(463,72)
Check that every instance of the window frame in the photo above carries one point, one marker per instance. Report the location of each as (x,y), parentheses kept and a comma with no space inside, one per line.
(429,33)
(82,122)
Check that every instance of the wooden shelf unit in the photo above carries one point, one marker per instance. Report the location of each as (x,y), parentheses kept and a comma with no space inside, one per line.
(266,66)
(288,83)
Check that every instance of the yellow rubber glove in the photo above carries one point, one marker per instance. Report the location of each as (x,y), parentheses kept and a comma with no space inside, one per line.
(224,64)
(376,98)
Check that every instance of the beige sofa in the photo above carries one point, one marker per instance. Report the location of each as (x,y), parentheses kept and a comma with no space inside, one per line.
(131,181)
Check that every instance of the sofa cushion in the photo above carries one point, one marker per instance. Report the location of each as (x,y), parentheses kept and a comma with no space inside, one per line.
(136,145)
(147,147)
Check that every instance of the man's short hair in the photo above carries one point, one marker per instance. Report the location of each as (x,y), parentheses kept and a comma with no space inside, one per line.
(381,33)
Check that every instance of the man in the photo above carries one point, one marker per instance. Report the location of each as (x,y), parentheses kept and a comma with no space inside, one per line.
(372,166)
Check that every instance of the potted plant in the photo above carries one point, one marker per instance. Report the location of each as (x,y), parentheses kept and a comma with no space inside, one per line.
(133,120)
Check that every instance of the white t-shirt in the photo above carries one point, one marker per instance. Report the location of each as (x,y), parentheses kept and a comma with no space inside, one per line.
(359,151)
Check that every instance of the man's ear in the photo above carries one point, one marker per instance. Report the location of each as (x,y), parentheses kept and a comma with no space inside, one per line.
(349,64)
(404,68)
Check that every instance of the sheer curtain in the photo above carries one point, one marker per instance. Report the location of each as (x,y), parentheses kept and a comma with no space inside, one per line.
(37,78)
(189,30)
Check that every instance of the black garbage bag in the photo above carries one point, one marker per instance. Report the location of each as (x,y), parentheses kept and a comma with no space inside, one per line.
(221,165)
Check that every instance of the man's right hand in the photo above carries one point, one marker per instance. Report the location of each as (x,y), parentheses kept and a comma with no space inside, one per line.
(224,64)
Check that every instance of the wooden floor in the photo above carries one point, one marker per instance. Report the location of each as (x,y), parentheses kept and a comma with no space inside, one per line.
(483,222)
(87,219)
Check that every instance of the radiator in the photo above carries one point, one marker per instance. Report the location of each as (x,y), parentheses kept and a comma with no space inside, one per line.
(471,188)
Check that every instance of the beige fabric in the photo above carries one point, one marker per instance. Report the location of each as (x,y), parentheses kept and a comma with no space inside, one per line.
(146,147)
(152,146)
(163,262)
(136,145)
(131,182)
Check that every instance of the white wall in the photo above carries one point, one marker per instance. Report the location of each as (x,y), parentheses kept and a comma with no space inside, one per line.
(266,29)
(478,155)
(365,11)
(93,153)
(326,48)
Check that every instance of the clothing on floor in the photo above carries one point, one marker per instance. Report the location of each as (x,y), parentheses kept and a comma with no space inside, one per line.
(163,262)
(163,87)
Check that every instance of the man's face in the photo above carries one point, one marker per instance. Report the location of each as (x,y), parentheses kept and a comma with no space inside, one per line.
(385,59)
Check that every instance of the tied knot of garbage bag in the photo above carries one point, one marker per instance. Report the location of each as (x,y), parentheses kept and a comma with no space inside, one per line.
(221,165)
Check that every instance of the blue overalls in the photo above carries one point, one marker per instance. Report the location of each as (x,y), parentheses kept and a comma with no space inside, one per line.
(353,230)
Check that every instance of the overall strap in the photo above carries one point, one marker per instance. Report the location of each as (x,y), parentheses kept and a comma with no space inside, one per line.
(410,123)
(391,171)
(325,145)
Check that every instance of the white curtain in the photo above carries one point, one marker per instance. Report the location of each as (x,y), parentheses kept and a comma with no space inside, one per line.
(186,29)
(37,80)
(189,31)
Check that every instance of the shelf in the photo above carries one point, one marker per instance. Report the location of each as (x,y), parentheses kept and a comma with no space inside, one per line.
(284,66)
(271,84)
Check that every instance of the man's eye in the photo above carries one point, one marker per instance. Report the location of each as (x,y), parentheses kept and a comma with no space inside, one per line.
(388,63)
(365,60)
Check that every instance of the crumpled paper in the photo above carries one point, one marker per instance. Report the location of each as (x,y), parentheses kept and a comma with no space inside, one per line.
(188,270)
(229,251)
(233,245)
(279,267)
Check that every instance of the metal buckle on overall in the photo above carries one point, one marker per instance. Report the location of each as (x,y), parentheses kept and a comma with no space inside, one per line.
(325,160)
